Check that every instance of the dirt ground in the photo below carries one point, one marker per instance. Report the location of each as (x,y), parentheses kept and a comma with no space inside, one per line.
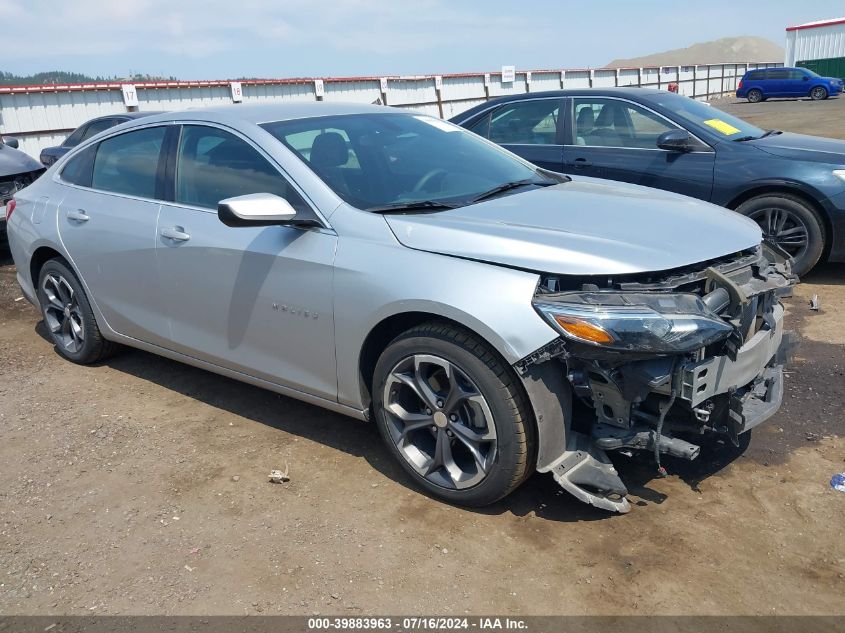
(139,486)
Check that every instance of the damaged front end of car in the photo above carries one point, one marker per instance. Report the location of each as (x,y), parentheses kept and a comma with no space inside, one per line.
(661,360)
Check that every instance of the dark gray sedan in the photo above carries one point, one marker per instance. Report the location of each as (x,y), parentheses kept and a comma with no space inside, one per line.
(792,185)
(50,155)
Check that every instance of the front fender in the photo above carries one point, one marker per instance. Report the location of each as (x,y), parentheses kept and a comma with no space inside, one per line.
(375,277)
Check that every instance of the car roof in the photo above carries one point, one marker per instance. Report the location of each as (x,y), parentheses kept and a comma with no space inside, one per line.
(129,116)
(258,113)
(752,70)
(638,94)
(137,115)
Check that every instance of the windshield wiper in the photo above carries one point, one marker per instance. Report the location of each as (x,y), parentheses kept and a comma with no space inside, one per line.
(771,133)
(742,139)
(508,186)
(413,205)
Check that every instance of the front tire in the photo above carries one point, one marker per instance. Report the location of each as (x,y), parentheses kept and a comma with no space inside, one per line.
(819,93)
(68,315)
(755,95)
(790,223)
(451,411)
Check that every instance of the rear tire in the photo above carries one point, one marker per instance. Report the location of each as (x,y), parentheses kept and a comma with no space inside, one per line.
(819,93)
(755,95)
(485,434)
(786,220)
(68,315)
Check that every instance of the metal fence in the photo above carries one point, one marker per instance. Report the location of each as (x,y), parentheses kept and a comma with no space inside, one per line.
(40,116)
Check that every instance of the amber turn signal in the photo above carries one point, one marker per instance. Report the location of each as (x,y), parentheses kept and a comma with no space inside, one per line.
(583,330)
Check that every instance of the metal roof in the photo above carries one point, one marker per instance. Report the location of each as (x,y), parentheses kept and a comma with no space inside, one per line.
(817,24)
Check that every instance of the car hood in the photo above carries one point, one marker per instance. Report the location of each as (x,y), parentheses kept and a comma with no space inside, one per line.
(584,227)
(13,161)
(802,147)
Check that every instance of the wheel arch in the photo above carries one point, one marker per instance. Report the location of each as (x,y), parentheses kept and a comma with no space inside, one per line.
(383,332)
(809,198)
(549,410)
(41,256)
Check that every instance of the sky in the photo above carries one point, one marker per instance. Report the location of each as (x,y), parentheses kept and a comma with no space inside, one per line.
(224,39)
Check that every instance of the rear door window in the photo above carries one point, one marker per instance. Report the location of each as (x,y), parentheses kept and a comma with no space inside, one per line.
(128,163)
(76,136)
(78,169)
(100,125)
(532,122)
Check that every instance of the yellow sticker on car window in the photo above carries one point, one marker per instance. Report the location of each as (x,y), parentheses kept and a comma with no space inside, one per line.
(725,128)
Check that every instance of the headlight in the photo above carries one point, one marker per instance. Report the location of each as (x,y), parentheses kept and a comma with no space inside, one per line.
(839,173)
(635,322)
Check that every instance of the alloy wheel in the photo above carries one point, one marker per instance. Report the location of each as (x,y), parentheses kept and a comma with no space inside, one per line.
(818,93)
(784,228)
(439,421)
(62,313)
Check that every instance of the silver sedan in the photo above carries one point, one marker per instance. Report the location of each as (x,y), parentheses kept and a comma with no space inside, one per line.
(389,265)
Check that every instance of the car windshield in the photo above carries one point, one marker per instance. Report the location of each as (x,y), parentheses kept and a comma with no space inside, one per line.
(380,161)
(717,122)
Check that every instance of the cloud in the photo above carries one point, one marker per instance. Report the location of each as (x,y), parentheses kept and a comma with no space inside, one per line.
(201,29)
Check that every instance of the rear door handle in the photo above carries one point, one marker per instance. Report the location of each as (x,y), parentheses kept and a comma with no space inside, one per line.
(176,233)
(582,162)
(78,216)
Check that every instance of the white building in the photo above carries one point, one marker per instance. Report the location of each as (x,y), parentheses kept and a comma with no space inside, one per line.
(819,46)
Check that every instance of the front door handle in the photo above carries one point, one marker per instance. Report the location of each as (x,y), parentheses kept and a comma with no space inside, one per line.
(176,233)
(582,162)
(78,216)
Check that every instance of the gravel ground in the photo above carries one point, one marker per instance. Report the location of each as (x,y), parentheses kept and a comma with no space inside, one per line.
(139,486)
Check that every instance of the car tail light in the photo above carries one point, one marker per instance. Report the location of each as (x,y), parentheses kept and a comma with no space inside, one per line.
(10,206)
(740,84)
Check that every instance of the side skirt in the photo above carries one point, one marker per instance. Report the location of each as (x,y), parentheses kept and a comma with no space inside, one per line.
(229,373)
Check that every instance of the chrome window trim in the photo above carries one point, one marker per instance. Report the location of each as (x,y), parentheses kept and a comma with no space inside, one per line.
(528,144)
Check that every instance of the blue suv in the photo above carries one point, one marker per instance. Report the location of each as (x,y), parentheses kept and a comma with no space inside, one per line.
(758,85)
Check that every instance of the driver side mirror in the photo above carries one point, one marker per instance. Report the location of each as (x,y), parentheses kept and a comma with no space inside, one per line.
(674,141)
(11,141)
(255,209)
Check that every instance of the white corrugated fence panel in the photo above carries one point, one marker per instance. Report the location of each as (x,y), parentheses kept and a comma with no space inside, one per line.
(454,108)
(701,80)
(576,79)
(363,91)
(276,92)
(460,88)
(629,76)
(604,78)
(410,91)
(43,115)
(541,81)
